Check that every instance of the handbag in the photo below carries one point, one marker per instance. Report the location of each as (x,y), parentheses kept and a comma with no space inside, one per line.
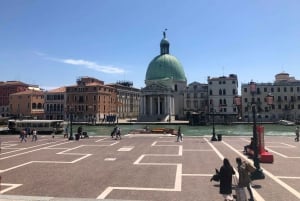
(216,176)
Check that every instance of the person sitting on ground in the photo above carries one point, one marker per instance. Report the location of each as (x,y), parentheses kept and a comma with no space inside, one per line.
(249,146)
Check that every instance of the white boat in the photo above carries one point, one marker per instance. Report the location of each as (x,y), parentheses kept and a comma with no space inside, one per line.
(41,126)
(286,122)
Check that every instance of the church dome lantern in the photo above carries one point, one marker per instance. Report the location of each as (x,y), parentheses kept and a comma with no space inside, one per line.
(165,66)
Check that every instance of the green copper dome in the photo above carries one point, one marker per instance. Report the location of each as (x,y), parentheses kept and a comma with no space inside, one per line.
(165,65)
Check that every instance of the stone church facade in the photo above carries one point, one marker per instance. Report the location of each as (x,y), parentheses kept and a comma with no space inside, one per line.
(163,96)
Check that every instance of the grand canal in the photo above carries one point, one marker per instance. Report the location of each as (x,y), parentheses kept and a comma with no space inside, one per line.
(229,130)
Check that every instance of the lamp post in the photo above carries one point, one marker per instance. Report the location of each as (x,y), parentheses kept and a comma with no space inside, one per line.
(258,173)
(71,137)
(213,138)
(237,102)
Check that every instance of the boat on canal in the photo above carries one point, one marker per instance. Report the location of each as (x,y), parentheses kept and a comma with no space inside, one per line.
(286,122)
(41,126)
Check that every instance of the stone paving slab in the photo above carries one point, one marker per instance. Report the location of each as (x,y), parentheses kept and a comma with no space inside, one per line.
(138,167)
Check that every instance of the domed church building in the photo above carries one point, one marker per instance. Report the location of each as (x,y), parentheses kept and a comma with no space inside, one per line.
(162,98)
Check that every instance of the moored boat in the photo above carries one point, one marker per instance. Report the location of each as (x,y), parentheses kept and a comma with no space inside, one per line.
(286,122)
(41,126)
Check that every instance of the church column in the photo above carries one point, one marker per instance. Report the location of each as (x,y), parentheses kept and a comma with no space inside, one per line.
(151,105)
(172,106)
(145,105)
(158,105)
(142,105)
(169,105)
(166,105)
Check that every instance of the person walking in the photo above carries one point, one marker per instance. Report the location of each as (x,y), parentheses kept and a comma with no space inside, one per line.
(297,134)
(23,135)
(53,133)
(118,133)
(225,175)
(244,177)
(114,132)
(179,135)
(34,135)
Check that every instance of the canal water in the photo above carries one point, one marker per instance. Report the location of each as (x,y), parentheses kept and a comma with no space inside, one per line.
(226,130)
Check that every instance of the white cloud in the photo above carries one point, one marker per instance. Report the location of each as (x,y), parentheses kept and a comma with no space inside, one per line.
(85,64)
(94,66)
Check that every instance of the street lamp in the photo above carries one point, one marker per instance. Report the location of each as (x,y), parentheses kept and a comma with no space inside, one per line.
(237,101)
(258,173)
(71,137)
(213,138)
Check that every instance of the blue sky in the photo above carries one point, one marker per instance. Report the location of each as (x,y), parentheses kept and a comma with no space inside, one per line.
(53,42)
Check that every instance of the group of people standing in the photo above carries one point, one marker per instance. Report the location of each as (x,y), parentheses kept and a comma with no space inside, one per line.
(225,175)
(27,132)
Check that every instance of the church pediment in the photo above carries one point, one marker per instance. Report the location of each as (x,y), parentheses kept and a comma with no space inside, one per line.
(156,87)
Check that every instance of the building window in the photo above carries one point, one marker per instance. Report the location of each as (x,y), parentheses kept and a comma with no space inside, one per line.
(278,89)
(279,98)
(195,104)
(80,99)
(245,90)
(292,99)
(224,91)
(188,104)
(220,91)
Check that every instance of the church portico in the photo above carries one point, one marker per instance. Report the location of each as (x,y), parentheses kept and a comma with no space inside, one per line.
(157,106)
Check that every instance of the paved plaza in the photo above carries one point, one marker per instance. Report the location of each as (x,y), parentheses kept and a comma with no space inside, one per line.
(138,167)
